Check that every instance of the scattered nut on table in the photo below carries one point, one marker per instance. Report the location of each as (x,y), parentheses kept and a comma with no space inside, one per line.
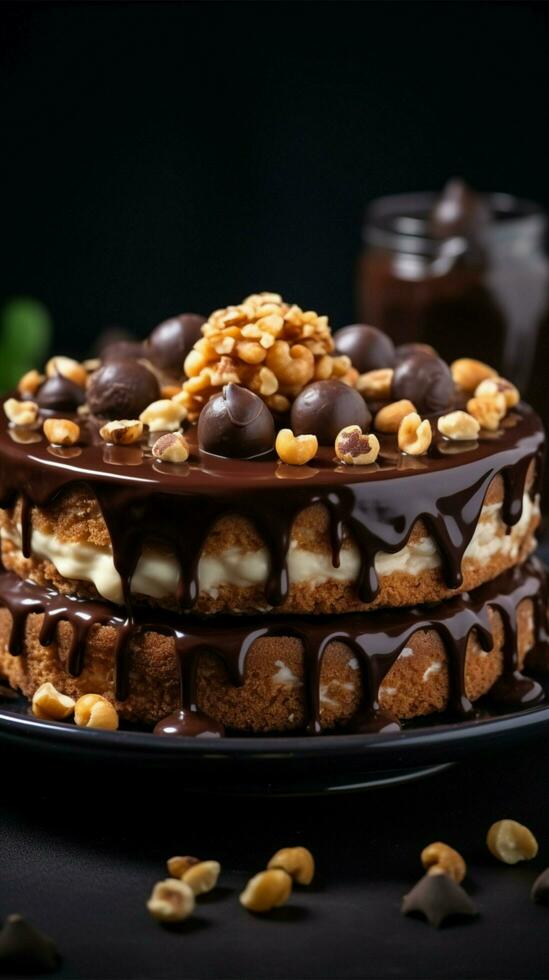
(414,436)
(171,900)
(295,450)
(468,373)
(459,426)
(61,432)
(178,865)
(267,890)
(202,877)
(21,413)
(439,858)
(298,862)
(50,705)
(95,711)
(30,382)
(390,416)
(511,842)
(164,415)
(354,447)
(122,432)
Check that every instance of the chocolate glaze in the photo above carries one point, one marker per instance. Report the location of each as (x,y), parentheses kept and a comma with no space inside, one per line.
(375,639)
(378,505)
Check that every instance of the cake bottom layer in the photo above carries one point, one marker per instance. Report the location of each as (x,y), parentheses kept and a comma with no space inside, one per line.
(281,673)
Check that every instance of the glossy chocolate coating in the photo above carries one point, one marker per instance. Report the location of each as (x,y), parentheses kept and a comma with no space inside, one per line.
(123,350)
(426,381)
(368,347)
(403,351)
(236,424)
(121,390)
(171,341)
(59,394)
(324,408)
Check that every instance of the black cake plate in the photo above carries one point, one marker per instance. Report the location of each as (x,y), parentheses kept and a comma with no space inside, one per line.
(281,765)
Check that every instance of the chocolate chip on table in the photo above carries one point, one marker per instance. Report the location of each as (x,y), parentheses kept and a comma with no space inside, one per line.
(438,897)
(25,949)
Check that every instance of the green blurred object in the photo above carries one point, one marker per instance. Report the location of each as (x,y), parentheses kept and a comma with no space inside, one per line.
(25,333)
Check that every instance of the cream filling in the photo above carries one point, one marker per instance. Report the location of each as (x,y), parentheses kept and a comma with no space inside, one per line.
(157,573)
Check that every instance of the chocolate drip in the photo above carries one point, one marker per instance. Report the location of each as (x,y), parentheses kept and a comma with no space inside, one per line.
(377,506)
(375,639)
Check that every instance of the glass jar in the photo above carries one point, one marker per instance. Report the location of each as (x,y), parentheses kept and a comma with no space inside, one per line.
(481,293)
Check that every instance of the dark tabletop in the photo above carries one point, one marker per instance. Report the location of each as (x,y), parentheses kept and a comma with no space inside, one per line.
(81,848)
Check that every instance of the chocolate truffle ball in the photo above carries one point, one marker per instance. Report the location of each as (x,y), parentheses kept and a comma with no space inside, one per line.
(121,390)
(324,408)
(426,381)
(123,350)
(368,347)
(59,394)
(171,341)
(406,350)
(236,424)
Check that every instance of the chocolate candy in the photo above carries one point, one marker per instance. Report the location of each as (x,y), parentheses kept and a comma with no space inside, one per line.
(121,390)
(123,350)
(59,394)
(171,341)
(438,897)
(540,888)
(324,408)
(426,381)
(368,347)
(236,424)
(406,350)
(23,949)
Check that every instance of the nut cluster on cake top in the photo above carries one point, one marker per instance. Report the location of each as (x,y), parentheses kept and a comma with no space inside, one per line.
(265,377)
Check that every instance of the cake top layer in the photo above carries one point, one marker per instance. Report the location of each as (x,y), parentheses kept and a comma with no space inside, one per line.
(272,414)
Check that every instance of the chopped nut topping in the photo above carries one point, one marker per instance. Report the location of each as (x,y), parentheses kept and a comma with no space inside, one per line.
(352,446)
(390,416)
(30,383)
(298,862)
(414,436)
(61,432)
(67,368)
(171,901)
(263,333)
(267,890)
(49,704)
(296,450)
(458,426)
(468,373)
(95,711)
(202,877)
(171,448)
(21,413)
(439,858)
(375,385)
(165,415)
(122,432)
(491,386)
(488,410)
(511,842)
